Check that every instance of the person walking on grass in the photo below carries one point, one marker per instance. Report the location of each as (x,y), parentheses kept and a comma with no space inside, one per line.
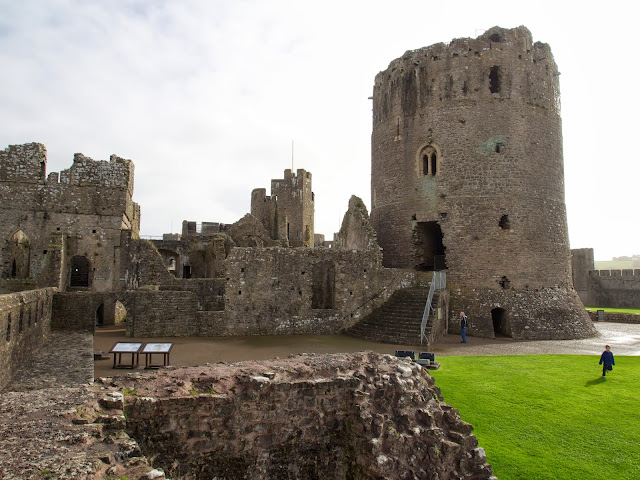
(463,327)
(606,360)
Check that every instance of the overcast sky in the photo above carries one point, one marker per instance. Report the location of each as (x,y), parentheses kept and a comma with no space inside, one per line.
(207,96)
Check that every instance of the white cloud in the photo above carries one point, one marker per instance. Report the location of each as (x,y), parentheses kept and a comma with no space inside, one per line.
(206,96)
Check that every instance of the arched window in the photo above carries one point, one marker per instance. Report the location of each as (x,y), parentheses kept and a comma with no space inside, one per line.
(429,161)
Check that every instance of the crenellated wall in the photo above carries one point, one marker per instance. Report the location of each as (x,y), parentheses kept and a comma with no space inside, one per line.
(288,214)
(76,217)
(604,288)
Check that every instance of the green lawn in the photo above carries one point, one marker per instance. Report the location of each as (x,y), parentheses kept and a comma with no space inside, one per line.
(549,416)
(614,310)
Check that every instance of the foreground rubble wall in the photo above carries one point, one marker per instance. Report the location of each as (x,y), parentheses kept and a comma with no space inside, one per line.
(358,416)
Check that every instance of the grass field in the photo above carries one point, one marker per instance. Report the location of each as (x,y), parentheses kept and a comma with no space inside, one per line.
(615,310)
(549,416)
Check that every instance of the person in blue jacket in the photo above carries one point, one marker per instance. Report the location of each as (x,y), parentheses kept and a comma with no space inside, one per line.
(606,360)
(463,327)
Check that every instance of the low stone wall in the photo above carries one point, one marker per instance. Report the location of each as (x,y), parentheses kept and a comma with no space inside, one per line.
(536,314)
(615,317)
(25,320)
(75,310)
(359,416)
(209,291)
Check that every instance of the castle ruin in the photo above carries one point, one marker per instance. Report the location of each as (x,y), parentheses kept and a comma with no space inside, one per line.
(467,178)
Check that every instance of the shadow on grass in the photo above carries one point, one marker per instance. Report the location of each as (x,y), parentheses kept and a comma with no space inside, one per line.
(596,381)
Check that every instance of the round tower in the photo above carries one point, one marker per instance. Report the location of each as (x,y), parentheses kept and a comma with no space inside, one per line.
(467,177)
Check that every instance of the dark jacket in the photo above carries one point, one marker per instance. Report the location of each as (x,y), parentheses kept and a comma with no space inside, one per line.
(463,322)
(607,358)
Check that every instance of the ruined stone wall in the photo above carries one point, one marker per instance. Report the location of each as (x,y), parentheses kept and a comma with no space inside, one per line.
(25,320)
(209,291)
(265,209)
(467,165)
(361,416)
(142,264)
(299,291)
(273,291)
(88,205)
(75,310)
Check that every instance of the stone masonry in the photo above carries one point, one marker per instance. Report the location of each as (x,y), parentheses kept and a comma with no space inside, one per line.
(467,176)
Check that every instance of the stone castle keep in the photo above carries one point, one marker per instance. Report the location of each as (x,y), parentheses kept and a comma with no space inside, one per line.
(466,178)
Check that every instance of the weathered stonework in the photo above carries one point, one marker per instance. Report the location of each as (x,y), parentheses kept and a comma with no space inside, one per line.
(63,230)
(25,321)
(467,176)
(604,288)
(360,416)
(288,213)
(356,232)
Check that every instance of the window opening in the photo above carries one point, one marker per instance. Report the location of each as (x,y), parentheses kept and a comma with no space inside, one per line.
(323,285)
(80,268)
(504,223)
(8,327)
(14,269)
(494,79)
(428,161)
(428,247)
(504,283)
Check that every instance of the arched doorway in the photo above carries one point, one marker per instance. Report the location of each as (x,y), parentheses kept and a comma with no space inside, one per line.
(501,324)
(79,276)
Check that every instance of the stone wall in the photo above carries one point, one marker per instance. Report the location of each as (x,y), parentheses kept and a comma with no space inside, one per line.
(87,206)
(272,291)
(614,288)
(25,320)
(558,314)
(615,317)
(304,291)
(360,416)
(604,288)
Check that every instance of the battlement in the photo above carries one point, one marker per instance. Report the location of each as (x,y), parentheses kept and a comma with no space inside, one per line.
(115,173)
(288,213)
(23,163)
(499,64)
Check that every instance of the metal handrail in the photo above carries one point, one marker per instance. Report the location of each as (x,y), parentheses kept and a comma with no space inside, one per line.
(438,282)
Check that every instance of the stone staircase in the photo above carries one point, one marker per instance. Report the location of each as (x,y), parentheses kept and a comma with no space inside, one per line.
(397,321)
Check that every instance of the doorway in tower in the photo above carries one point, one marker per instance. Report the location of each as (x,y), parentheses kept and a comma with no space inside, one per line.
(429,251)
(501,324)
(80,268)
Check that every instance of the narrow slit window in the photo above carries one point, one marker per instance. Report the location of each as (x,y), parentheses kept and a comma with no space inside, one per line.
(494,79)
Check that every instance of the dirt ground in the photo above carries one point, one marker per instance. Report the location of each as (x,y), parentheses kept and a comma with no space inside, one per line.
(189,351)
